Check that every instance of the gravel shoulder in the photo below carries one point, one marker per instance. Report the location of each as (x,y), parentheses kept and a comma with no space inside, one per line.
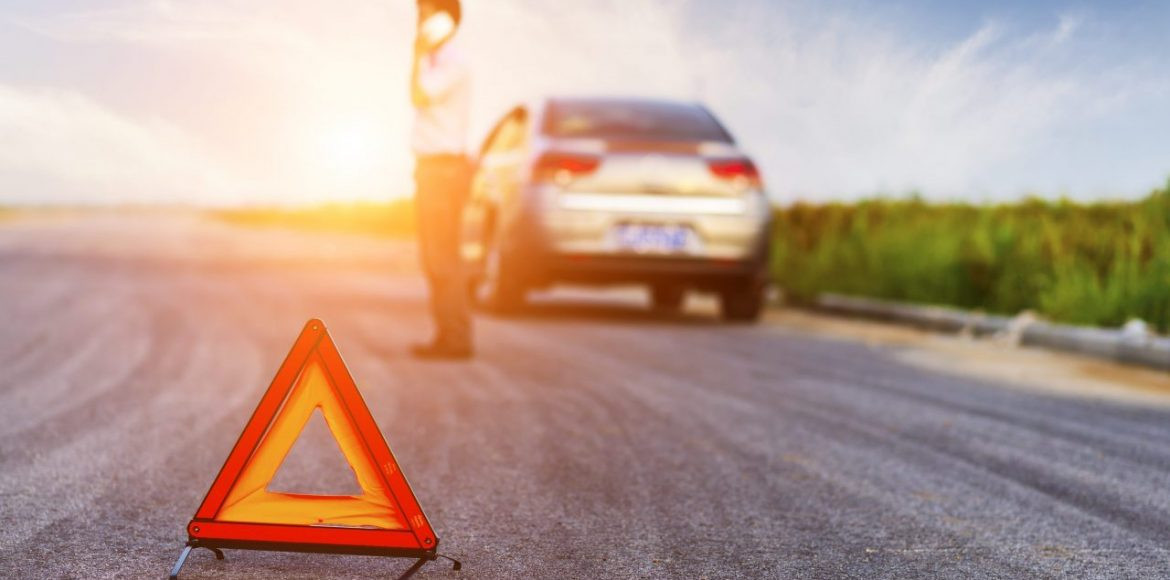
(1016,367)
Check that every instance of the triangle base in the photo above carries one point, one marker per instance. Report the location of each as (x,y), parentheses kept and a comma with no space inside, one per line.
(422,556)
(322,538)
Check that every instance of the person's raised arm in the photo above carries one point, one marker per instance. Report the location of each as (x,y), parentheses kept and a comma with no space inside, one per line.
(418,97)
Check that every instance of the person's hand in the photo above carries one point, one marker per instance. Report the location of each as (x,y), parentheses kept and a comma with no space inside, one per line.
(421,46)
(433,31)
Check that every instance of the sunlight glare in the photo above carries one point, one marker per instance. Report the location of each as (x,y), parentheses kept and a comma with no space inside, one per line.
(350,150)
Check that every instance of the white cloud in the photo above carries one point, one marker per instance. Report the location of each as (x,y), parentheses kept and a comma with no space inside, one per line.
(1067,27)
(308,72)
(93,154)
(851,109)
(832,103)
(843,105)
(161,22)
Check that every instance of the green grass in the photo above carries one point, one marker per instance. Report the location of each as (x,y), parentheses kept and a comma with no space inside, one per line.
(1098,264)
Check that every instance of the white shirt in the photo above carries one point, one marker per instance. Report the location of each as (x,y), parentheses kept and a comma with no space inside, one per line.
(441,126)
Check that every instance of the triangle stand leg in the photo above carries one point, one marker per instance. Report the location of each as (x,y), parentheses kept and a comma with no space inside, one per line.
(187,552)
(456,565)
(414,568)
(179,563)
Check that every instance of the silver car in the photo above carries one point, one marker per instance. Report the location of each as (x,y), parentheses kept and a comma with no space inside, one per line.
(618,191)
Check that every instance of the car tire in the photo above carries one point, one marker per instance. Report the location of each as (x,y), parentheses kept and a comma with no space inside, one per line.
(667,298)
(474,283)
(742,302)
(506,291)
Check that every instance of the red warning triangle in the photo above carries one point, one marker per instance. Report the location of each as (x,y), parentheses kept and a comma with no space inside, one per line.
(239,510)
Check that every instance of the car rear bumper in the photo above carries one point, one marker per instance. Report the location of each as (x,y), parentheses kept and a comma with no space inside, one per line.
(582,223)
(559,238)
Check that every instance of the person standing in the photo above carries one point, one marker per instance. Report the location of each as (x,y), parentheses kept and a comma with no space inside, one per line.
(441,96)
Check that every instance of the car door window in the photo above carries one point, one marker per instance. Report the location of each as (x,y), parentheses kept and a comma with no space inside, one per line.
(512,134)
(509,134)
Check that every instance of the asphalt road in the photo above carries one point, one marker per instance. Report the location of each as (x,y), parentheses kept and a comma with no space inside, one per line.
(589,439)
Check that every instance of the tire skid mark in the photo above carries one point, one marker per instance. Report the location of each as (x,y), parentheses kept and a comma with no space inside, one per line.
(698,416)
(1090,432)
(56,470)
(1115,511)
(110,356)
(1094,423)
(157,498)
(64,332)
(1011,418)
(569,425)
(1140,424)
(1061,449)
(834,409)
(35,286)
(970,521)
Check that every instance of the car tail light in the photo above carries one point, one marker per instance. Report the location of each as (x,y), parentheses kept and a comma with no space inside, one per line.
(564,167)
(735,169)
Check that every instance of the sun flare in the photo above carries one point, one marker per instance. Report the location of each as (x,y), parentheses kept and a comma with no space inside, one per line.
(350,150)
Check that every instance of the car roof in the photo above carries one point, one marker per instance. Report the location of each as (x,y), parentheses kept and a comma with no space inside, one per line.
(619,101)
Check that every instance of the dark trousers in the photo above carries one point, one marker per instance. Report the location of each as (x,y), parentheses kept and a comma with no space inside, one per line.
(442,183)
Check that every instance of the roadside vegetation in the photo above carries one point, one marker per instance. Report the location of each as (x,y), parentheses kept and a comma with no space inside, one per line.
(10,213)
(393,219)
(1097,264)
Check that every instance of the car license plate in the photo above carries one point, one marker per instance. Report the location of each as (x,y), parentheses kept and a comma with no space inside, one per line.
(653,238)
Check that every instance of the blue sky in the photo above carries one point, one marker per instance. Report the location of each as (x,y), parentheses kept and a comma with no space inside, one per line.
(289,101)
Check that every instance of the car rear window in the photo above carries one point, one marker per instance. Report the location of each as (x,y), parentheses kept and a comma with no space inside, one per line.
(618,119)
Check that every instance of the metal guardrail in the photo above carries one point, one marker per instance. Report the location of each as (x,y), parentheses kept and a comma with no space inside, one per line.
(1132,344)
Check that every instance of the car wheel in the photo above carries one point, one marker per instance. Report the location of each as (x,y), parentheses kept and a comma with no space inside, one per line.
(743,302)
(473,285)
(667,298)
(505,289)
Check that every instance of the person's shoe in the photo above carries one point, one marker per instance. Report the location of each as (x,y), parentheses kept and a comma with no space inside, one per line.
(440,351)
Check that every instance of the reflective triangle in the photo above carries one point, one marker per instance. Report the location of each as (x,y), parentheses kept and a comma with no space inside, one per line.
(239,507)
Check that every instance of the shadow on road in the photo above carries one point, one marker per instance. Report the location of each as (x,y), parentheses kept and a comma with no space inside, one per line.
(601,311)
(541,308)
